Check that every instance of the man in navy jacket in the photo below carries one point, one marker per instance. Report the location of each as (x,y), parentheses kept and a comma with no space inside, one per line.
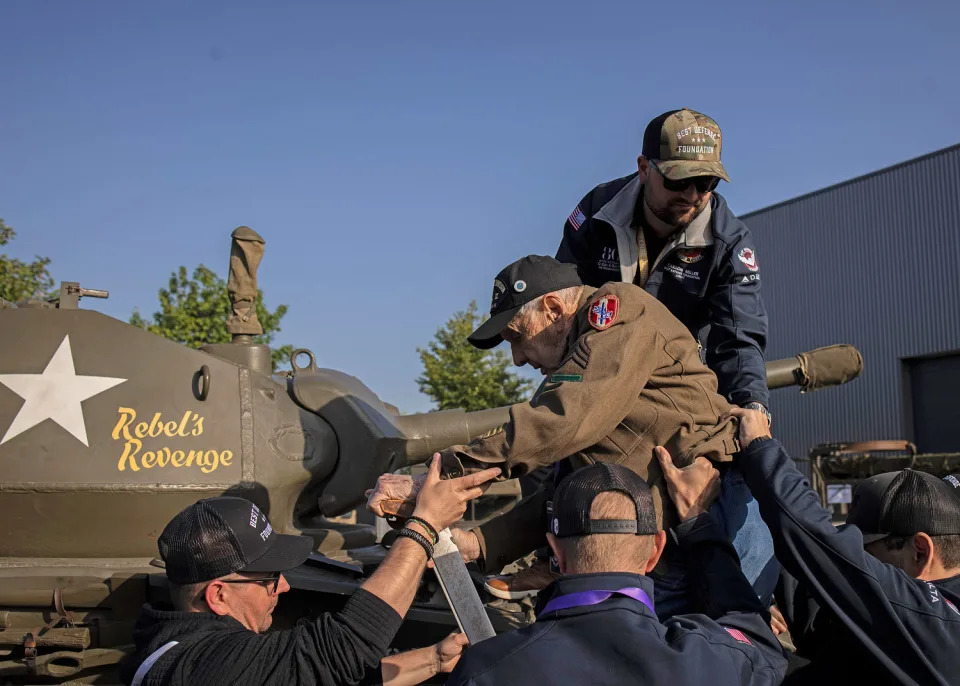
(597,623)
(888,581)
(664,229)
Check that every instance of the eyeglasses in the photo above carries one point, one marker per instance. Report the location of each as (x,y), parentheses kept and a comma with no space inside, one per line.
(273,578)
(703,184)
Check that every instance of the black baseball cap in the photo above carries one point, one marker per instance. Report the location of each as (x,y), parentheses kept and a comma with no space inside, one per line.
(574,498)
(904,503)
(220,536)
(517,284)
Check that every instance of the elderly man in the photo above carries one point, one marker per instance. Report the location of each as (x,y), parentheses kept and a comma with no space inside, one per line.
(622,376)
(225,565)
(887,584)
(597,624)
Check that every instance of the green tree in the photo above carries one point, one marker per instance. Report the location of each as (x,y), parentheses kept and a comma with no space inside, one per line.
(455,374)
(23,280)
(194,311)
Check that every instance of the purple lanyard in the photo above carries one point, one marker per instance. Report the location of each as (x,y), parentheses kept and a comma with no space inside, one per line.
(565,602)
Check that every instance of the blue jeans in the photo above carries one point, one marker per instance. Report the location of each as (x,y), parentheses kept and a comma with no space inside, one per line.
(739,517)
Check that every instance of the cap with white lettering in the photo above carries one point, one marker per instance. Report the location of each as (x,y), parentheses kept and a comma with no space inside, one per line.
(684,144)
(220,536)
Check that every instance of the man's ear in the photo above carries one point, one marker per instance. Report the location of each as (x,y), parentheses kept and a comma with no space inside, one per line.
(215,594)
(659,543)
(552,306)
(643,168)
(923,554)
(558,552)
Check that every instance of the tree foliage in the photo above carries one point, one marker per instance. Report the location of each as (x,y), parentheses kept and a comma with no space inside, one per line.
(23,280)
(455,374)
(194,311)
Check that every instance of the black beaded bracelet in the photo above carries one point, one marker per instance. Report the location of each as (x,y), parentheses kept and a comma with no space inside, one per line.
(419,538)
(426,525)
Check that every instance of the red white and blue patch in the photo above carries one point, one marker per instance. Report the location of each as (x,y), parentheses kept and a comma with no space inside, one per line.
(737,634)
(576,218)
(603,312)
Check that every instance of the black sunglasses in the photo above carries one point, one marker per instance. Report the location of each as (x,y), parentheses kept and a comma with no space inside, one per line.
(704,184)
(273,578)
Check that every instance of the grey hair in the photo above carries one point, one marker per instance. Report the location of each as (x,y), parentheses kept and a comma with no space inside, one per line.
(570,296)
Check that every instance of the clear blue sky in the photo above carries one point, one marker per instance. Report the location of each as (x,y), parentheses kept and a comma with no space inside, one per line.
(396,155)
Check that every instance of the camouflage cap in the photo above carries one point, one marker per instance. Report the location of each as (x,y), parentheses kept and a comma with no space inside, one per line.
(685,144)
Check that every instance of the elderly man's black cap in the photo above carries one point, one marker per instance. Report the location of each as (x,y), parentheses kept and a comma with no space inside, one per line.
(517,284)
(903,504)
(574,498)
(220,536)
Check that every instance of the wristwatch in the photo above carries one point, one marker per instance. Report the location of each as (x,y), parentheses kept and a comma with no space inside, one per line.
(759,406)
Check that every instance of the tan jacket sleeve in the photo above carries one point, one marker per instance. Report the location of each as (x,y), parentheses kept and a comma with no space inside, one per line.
(582,402)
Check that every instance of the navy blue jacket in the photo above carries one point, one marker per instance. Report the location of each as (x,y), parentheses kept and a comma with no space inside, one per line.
(621,641)
(887,627)
(706,276)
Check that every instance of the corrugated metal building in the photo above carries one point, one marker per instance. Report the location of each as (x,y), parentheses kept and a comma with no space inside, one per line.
(875,262)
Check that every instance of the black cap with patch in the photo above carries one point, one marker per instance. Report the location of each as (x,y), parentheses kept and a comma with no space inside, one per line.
(574,499)
(517,284)
(220,536)
(904,503)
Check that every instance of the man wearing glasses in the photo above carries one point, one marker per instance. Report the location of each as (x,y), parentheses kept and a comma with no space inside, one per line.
(225,565)
(667,231)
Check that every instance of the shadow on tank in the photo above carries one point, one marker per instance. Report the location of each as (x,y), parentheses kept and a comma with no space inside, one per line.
(110,430)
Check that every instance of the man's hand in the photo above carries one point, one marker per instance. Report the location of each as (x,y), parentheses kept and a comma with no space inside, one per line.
(692,489)
(393,487)
(449,651)
(753,424)
(441,502)
(777,623)
(467,542)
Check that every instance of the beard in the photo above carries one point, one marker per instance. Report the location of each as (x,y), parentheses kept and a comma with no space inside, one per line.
(678,214)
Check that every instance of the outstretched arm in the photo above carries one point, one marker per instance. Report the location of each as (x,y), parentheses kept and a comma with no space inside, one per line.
(416,666)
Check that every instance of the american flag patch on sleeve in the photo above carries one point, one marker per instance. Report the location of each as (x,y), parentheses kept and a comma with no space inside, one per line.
(737,634)
(576,218)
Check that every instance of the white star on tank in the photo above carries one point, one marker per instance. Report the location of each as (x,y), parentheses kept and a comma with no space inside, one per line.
(55,394)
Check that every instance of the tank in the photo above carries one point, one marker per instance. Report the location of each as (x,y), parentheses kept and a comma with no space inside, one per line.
(109,431)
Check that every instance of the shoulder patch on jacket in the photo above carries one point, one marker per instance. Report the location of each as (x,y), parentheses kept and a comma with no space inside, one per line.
(737,634)
(576,218)
(559,378)
(603,312)
(749,258)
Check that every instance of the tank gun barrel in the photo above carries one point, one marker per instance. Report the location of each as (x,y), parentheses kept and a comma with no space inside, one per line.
(433,431)
(816,369)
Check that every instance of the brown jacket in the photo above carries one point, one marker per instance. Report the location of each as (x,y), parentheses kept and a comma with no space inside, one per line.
(631,379)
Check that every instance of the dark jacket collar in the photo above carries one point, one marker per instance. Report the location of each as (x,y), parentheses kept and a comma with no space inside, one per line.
(599,581)
(951,584)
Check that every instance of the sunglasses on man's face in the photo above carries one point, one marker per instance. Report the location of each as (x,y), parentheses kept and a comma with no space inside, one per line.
(703,184)
(265,580)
